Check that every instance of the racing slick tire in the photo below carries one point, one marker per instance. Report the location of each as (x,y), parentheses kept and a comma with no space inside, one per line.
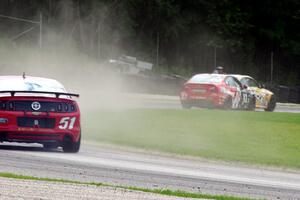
(69,146)
(227,105)
(185,105)
(252,104)
(271,104)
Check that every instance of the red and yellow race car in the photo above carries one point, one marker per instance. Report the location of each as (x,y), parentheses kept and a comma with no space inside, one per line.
(216,91)
(38,110)
(265,99)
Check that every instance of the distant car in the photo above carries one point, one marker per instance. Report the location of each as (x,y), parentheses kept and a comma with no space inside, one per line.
(38,110)
(264,98)
(216,91)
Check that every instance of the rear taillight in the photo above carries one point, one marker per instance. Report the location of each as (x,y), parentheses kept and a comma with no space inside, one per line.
(59,107)
(11,105)
(72,108)
(213,90)
(3,105)
(66,107)
(186,87)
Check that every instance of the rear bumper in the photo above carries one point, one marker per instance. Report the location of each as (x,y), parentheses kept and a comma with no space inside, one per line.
(211,101)
(32,137)
(199,103)
(65,124)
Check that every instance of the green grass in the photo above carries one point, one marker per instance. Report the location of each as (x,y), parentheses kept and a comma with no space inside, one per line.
(250,137)
(177,193)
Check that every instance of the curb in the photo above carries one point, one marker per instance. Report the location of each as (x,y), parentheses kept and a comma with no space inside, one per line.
(159,97)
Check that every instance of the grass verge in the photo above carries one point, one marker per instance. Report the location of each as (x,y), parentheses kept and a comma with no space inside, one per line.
(177,193)
(250,137)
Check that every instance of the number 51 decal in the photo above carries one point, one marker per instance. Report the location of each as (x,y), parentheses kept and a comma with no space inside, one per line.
(67,122)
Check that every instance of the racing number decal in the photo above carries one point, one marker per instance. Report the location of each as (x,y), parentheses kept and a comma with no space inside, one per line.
(236,98)
(260,98)
(67,122)
(245,98)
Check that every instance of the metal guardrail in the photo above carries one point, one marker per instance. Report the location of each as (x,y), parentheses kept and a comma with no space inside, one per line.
(286,94)
(171,85)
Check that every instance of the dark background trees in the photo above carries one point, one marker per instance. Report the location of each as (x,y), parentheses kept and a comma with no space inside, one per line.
(179,36)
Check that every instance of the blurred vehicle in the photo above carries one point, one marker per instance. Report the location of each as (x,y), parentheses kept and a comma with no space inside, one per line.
(216,91)
(38,110)
(264,98)
(129,65)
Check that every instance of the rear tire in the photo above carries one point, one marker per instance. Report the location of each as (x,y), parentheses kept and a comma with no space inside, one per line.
(227,104)
(252,104)
(69,146)
(185,105)
(271,104)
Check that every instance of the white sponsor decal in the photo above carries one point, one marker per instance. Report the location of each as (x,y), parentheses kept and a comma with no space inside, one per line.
(35,105)
(67,122)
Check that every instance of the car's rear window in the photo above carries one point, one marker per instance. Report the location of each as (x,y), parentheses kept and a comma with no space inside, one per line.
(31,85)
(206,78)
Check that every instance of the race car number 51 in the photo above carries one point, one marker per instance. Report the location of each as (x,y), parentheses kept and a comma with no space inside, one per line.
(67,122)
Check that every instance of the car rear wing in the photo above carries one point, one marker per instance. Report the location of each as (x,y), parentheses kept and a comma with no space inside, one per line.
(57,94)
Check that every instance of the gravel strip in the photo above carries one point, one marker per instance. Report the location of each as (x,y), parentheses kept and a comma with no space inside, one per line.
(42,190)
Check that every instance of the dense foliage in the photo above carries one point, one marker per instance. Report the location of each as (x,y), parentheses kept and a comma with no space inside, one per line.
(182,36)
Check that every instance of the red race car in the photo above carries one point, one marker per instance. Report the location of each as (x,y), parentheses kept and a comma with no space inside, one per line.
(216,91)
(38,110)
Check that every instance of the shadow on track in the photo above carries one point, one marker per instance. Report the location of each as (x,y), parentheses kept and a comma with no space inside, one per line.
(27,147)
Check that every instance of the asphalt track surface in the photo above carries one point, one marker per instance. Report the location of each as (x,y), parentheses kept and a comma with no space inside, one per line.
(150,170)
(114,165)
(173,102)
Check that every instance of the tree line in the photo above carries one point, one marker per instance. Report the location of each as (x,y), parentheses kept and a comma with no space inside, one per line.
(259,38)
